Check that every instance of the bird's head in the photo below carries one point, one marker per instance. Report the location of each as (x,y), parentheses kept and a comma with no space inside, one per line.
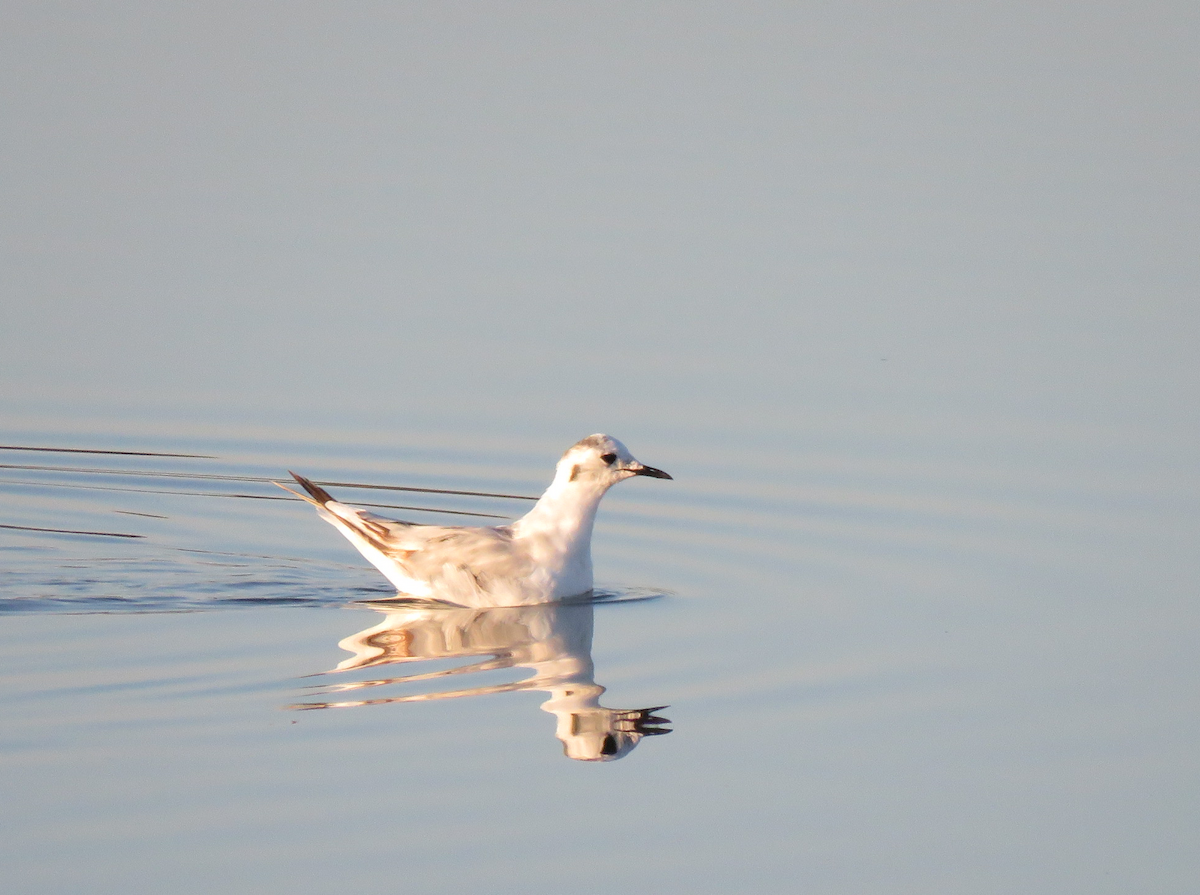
(601,460)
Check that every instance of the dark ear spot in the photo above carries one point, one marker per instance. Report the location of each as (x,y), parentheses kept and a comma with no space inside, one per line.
(574,473)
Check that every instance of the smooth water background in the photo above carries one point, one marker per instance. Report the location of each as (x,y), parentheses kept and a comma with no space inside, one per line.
(903,296)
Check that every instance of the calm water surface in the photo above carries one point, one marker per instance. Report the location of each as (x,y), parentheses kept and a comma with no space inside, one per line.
(903,296)
(940,667)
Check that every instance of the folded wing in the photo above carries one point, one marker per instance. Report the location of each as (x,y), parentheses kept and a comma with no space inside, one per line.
(457,564)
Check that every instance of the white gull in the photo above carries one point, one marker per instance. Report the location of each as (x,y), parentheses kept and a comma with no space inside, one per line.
(544,556)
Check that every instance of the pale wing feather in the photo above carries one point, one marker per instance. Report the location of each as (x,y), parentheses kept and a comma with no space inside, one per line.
(450,559)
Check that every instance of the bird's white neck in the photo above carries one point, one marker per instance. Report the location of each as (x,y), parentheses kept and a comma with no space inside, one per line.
(567,510)
(557,532)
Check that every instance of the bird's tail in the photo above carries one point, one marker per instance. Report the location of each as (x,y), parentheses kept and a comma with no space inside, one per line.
(319,497)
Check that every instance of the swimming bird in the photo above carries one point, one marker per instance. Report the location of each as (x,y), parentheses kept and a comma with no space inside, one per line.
(544,556)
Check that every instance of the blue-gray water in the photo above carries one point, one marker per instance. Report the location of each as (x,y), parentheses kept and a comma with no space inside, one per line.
(905,299)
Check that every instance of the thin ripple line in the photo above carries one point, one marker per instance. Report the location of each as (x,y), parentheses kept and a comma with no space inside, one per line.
(208,476)
(380,506)
(52,450)
(70,531)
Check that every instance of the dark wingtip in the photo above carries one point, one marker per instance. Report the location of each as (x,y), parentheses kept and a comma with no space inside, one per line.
(318,493)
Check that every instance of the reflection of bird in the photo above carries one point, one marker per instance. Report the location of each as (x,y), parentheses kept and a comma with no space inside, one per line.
(554,640)
(546,555)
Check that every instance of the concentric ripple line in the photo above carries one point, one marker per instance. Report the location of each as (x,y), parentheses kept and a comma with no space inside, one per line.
(208,476)
(384,506)
(70,531)
(54,450)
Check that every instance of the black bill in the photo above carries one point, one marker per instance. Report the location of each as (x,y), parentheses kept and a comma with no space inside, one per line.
(652,472)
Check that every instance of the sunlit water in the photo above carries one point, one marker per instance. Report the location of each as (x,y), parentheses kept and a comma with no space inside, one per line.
(880,657)
(903,296)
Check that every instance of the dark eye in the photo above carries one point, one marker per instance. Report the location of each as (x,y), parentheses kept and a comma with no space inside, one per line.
(608,458)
